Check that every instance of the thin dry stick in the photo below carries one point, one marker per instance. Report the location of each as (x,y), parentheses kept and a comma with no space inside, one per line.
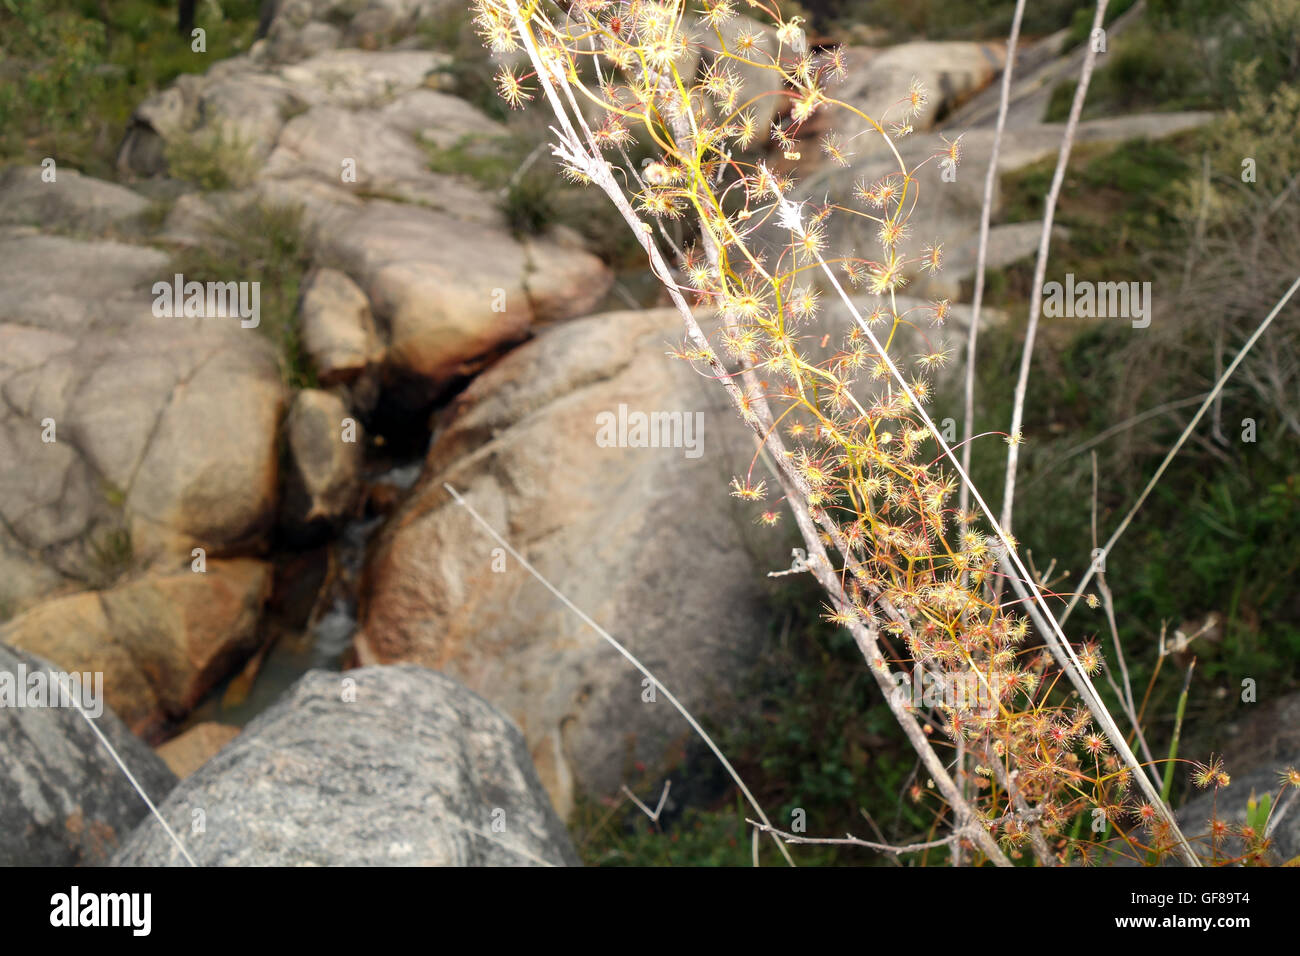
(1040,267)
(652,814)
(981,258)
(1125,696)
(1182,440)
(880,834)
(850,840)
(1114,430)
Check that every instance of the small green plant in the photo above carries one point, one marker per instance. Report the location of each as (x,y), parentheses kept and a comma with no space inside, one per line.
(262,242)
(212,158)
(112,554)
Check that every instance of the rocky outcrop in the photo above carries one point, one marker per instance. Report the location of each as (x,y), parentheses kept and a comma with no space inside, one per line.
(645,540)
(878,82)
(305,27)
(63,799)
(72,202)
(161,640)
(346,135)
(395,766)
(448,305)
(128,438)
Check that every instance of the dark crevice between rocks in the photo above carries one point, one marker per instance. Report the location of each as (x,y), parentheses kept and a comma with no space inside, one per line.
(311,617)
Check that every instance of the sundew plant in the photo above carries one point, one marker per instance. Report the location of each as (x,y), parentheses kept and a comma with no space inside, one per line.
(1021,756)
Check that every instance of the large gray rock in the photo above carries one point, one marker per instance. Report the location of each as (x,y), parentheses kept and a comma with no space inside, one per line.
(879,80)
(644,539)
(244,105)
(112,281)
(63,801)
(317,143)
(71,202)
(439,118)
(302,28)
(381,766)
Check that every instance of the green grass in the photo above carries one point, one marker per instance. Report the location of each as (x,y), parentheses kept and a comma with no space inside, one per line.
(1119,203)
(537,199)
(111,555)
(1185,54)
(263,243)
(487,160)
(212,159)
(898,21)
(1146,70)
